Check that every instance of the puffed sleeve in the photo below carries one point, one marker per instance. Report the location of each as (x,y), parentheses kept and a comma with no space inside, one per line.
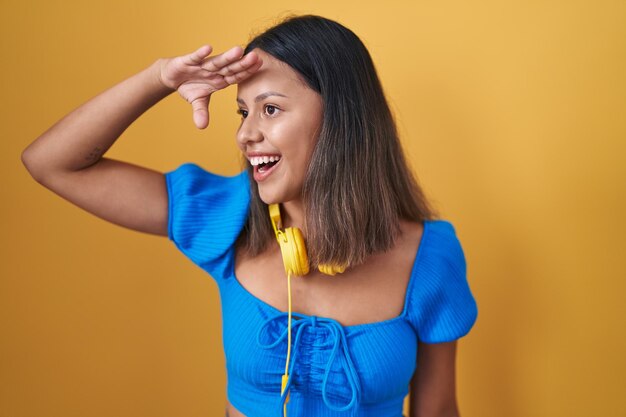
(442,306)
(207,212)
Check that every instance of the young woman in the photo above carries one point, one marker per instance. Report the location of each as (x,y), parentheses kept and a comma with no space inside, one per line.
(323,156)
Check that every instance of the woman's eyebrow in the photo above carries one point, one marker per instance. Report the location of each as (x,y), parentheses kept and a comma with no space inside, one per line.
(262,96)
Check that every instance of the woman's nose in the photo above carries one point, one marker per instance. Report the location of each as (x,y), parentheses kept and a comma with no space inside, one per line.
(248,132)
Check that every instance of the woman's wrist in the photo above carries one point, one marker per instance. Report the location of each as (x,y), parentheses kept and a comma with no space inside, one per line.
(157,68)
(156,73)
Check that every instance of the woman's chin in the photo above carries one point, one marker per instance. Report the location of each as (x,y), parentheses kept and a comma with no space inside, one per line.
(269,198)
(272,197)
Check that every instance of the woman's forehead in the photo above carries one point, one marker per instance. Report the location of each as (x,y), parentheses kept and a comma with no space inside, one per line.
(274,75)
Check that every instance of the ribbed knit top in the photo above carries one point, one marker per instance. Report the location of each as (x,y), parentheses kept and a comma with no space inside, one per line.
(361,370)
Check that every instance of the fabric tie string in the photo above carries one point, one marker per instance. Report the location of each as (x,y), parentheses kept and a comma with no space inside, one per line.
(339,350)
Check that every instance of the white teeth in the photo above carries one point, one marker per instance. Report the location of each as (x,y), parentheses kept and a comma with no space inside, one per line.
(257,160)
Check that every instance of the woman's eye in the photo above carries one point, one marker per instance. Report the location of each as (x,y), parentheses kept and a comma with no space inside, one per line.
(270,110)
(242,113)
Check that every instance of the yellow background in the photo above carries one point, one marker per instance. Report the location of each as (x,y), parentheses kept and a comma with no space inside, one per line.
(513,114)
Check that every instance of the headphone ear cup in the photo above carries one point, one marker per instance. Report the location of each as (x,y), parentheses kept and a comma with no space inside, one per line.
(293,250)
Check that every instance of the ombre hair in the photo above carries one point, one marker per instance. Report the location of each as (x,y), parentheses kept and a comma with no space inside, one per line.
(358,185)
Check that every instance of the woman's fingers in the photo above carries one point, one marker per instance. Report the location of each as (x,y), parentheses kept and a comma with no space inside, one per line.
(231,65)
(207,75)
(216,63)
(243,73)
(241,65)
(198,55)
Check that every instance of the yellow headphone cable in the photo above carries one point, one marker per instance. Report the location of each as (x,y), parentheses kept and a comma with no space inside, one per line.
(293,252)
(286,375)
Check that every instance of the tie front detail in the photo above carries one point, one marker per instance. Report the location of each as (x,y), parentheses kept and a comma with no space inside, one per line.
(275,330)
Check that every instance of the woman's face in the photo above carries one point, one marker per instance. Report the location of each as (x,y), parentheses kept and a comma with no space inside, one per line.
(281,120)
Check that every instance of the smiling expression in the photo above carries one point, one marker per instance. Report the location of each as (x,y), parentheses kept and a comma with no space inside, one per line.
(280,122)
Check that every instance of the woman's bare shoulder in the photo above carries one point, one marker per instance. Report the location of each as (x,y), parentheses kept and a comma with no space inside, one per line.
(410,237)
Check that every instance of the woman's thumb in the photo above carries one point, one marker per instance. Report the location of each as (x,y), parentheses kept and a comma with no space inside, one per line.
(200,108)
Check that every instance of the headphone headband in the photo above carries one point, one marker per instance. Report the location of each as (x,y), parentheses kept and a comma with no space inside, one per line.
(275,218)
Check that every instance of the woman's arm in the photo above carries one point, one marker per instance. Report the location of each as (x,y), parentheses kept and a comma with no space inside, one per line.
(433,390)
(67,158)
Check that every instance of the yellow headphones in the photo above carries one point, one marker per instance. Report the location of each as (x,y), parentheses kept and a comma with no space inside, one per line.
(293,251)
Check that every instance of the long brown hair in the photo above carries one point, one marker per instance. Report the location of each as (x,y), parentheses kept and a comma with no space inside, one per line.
(358,185)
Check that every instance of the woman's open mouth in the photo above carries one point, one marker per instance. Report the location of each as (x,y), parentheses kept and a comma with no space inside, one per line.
(263,166)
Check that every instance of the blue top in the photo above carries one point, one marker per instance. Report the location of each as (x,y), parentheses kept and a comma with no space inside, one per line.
(362,370)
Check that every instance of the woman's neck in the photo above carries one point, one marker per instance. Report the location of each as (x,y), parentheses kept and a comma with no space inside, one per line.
(293,214)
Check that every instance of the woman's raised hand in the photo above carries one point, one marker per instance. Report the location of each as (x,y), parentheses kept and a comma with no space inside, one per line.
(68,158)
(196,76)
